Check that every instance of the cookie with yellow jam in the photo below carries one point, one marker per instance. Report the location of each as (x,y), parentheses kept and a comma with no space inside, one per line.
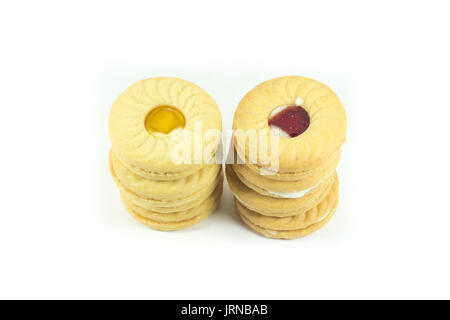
(165,133)
(153,124)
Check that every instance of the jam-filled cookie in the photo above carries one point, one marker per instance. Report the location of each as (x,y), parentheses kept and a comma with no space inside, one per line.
(288,134)
(305,114)
(165,133)
(152,122)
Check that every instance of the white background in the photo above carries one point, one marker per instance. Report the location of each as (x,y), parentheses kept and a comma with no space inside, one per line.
(63,230)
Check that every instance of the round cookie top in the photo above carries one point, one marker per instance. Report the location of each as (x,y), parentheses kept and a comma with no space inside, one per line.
(159,125)
(303,115)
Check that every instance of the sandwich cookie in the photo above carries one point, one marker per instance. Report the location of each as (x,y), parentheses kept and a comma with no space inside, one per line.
(277,206)
(168,206)
(154,118)
(291,234)
(164,190)
(307,116)
(301,184)
(299,124)
(165,133)
(178,220)
(314,215)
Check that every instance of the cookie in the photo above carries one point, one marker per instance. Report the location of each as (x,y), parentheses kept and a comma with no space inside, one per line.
(308,180)
(167,206)
(164,190)
(298,175)
(158,176)
(276,206)
(286,228)
(178,220)
(313,139)
(300,221)
(295,194)
(178,216)
(156,120)
(176,205)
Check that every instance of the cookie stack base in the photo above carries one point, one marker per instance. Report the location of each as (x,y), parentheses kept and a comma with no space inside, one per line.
(176,220)
(285,218)
(292,227)
(168,214)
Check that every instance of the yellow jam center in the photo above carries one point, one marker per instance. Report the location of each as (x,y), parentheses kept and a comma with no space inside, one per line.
(164,119)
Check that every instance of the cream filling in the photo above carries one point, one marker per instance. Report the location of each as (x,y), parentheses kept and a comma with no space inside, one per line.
(323,217)
(278,131)
(301,193)
(292,194)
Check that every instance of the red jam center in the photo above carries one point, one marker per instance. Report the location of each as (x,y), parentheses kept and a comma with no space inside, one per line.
(293,120)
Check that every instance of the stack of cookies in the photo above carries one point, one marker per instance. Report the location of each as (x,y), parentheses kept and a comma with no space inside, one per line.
(283,175)
(165,179)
